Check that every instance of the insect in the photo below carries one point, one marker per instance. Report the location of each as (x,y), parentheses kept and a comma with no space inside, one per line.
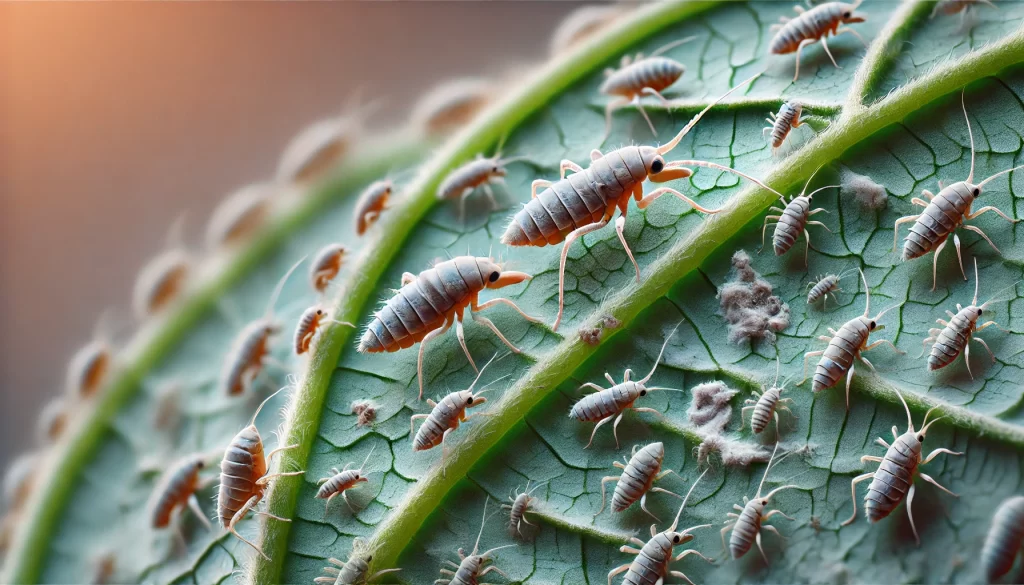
(354,571)
(826,285)
(604,404)
(452,105)
(638,476)
(846,344)
(654,557)
(89,368)
(53,419)
(957,334)
(747,525)
(309,324)
(814,25)
(794,220)
(581,24)
(177,489)
(445,417)
(341,482)
(239,216)
(320,146)
(430,302)
(767,405)
(944,213)
(162,280)
(585,201)
(371,203)
(251,348)
(894,479)
(639,76)
(782,123)
(480,172)
(326,265)
(951,7)
(244,477)
(474,565)
(519,507)
(1004,539)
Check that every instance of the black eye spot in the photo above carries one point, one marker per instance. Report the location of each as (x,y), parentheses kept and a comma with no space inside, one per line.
(872,325)
(657,166)
(976,192)
(369,558)
(200,464)
(920,437)
(319,312)
(675,539)
(493,277)
(469,400)
(643,393)
(495,170)
(847,15)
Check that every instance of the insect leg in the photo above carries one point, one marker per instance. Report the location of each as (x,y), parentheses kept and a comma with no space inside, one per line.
(643,112)
(807,356)
(381,572)
(764,228)
(680,575)
(423,345)
(665,491)
(615,428)
(328,506)
(978,231)
(985,345)
(415,417)
(938,452)
(279,449)
(490,325)
(910,514)
(594,386)
(967,358)
(799,48)
(611,107)
(689,552)
(444,451)
(461,335)
(930,480)
(568,165)
(757,537)
(776,513)
(603,493)
(824,44)
(503,301)
(917,201)
(494,569)
(238,517)
(597,426)
(728,524)
(643,506)
(668,190)
(538,183)
(266,479)
(883,342)
(193,504)
(935,263)
(896,228)
(853,491)
(561,264)
(628,549)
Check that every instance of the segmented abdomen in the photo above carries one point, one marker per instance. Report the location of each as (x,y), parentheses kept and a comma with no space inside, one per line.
(812,24)
(745,530)
(180,484)
(353,573)
(599,405)
(580,199)
(304,331)
(638,476)
(784,122)
(944,214)
(338,482)
(1004,539)
(242,465)
(518,509)
(444,416)
(892,479)
(467,572)
(423,305)
(763,410)
(839,354)
(953,338)
(651,564)
(247,352)
(824,286)
(656,73)
(791,224)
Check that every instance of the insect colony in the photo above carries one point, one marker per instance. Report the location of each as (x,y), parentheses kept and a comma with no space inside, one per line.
(582,200)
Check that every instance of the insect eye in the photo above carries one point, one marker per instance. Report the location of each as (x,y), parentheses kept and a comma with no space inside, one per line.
(872,325)
(976,192)
(675,539)
(920,437)
(847,14)
(657,166)
(469,400)
(643,393)
(319,311)
(369,558)
(493,277)
(200,464)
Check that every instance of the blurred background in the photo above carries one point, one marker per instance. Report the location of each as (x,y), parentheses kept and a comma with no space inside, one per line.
(115,118)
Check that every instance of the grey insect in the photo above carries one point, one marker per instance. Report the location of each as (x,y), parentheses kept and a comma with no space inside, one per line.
(177,489)
(637,480)
(445,417)
(782,124)
(326,265)
(794,219)
(963,7)
(452,104)
(244,477)
(748,524)
(946,212)
(91,365)
(813,25)
(846,344)
(767,405)
(310,322)
(430,302)
(611,403)
(371,204)
(474,565)
(651,565)
(479,173)
(824,286)
(581,24)
(322,145)
(53,419)
(519,506)
(1004,539)
(586,201)
(240,216)
(640,76)
(893,481)
(957,334)
(252,346)
(354,571)
(341,482)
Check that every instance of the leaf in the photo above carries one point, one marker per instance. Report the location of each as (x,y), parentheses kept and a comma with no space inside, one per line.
(892,114)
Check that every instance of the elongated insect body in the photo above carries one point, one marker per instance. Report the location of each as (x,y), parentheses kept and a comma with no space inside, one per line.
(580,24)
(639,473)
(814,25)
(89,368)
(239,216)
(1004,539)
(451,105)
(53,419)
(956,334)
(608,403)
(793,220)
(430,302)
(310,322)
(244,477)
(782,124)
(474,565)
(176,490)
(585,201)
(844,346)
(445,417)
(893,481)
(748,524)
(160,282)
(517,509)
(824,286)
(341,482)
(653,559)
(326,265)
(478,173)
(371,203)
(963,7)
(354,571)
(317,149)
(946,212)
(767,406)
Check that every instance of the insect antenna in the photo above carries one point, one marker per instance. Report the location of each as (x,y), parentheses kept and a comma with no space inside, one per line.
(675,522)
(995,296)
(660,353)
(483,521)
(711,165)
(887,309)
(910,421)
(867,293)
(367,458)
(280,286)
(481,372)
(924,429)
(767,469)
(1000,173)
(970,133)
(262,404)
(672,45)
(675,141)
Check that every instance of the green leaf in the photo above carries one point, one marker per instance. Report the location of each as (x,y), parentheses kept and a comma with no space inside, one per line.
(891,113)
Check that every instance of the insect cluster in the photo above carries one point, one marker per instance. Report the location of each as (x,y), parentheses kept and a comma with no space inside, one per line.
(427,304)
